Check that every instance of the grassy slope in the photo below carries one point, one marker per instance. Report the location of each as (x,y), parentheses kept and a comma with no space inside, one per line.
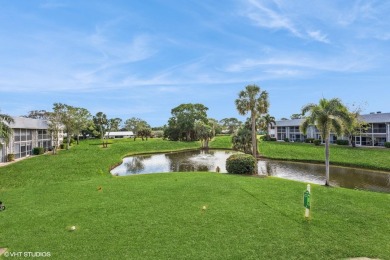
(373,158)
(160,216)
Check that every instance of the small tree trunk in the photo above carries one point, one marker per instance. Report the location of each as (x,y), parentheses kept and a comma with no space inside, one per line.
(327,161)
(254,139)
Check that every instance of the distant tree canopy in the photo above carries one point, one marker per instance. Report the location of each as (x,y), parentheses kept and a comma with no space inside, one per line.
(296,116)
(181,126)
(38,114)
(230,125)
(139,127)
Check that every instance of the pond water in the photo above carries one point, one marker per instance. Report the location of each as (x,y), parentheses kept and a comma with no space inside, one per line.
(200,160)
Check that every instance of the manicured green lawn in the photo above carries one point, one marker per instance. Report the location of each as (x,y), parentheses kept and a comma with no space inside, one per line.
(160,216)
(373,158)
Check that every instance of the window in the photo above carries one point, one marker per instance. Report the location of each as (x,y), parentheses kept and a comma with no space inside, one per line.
(379,128)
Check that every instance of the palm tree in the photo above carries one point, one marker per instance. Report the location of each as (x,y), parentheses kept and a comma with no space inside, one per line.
(255,101)
(5,130)
(328,116)
(266,121)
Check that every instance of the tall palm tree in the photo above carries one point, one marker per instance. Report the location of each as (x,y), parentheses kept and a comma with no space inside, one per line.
(328,116)
(5,130)
(255,101)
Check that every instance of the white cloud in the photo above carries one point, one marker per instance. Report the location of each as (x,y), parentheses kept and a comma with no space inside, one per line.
(318,36)
(264,16)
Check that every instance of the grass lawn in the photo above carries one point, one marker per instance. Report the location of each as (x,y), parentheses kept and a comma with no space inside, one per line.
(372,158)
(160,216)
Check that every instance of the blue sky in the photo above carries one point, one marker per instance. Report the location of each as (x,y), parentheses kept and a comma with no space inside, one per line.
(144,57)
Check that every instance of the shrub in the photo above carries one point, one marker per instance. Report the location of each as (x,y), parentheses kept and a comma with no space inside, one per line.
(273,139)
(342,142)
(286,140)
(241,164)
(387,144)
(309,140)
(317,142)
(62,146)
(10,157)
(38,150)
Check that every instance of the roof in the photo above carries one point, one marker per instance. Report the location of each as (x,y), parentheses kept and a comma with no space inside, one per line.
(292,122)
(376,118)
(124,133)
(28,123)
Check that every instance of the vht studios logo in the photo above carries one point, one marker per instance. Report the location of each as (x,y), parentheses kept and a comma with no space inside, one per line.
(27,254)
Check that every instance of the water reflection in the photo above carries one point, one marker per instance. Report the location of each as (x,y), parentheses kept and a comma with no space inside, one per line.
(346,177)
(209,160)
(199,160)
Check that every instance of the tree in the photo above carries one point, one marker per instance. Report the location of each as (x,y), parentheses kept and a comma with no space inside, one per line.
(67,115)
(354,125)
(254,101)
(328,116)
(215,126)
(5,129)
(296,116)
(242,139)
(266,121)
(230,124)
(139,127)
(82,121)
(204,133)
(55,128)
(181,124)
(101,123)
(38,114)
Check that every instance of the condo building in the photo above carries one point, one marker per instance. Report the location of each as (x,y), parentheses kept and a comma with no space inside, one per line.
(376,132)
(27,133)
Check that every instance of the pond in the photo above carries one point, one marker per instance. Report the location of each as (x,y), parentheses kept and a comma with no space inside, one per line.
(201,160)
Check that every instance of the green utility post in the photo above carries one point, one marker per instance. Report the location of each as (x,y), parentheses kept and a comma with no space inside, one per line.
(306,201)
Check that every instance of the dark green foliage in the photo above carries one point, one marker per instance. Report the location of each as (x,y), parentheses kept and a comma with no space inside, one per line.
(242,140)
(10,157)
(342,142)
(241,164)
(38,150)
(62,146)
(317,142)
(286,140)
(309,140)
(182,123)
(387,144)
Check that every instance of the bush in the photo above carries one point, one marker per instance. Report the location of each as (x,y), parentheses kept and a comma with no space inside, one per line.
(62,146)
(317,142)
(387,144)
(309,140)
(286,140)
(10,157)
(241,164)
(342,142)
(267,138)
(38,150)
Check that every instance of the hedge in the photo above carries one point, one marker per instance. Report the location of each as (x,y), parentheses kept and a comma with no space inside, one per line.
(241,164)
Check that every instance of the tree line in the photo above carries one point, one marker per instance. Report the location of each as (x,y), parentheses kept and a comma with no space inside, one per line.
(189,122)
